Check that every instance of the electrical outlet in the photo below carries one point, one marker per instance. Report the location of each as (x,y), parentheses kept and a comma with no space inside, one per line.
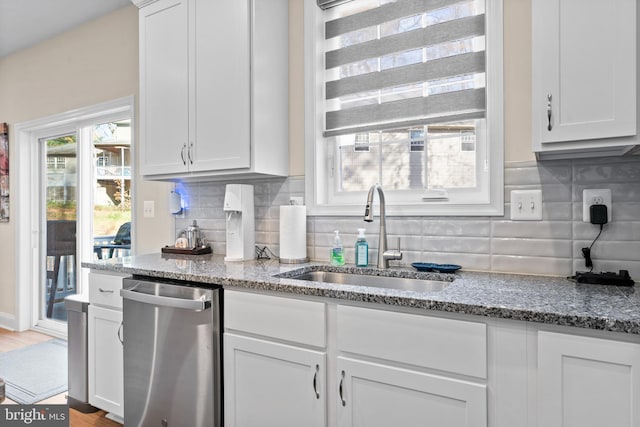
(595,197)
(526,205)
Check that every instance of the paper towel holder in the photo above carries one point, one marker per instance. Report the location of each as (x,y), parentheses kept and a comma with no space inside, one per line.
(293,201)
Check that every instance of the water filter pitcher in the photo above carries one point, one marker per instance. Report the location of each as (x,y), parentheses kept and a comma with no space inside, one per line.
(240,217)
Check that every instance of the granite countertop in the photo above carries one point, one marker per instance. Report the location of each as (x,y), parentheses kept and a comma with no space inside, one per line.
(551,300)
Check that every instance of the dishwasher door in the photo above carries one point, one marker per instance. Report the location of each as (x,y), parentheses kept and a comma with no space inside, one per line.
(172,348)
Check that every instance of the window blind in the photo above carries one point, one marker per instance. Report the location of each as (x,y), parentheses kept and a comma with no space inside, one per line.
(327,4)
(404,63)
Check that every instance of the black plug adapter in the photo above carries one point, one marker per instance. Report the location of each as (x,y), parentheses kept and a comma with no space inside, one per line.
(598,214)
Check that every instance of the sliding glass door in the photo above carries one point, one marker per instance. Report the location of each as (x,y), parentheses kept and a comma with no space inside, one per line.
(60,209)
(85,207)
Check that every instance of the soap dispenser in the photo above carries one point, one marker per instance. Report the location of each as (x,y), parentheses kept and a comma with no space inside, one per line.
(337,252)
(362,249)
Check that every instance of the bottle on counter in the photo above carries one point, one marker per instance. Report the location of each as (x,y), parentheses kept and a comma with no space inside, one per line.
(362,249)
(337,252)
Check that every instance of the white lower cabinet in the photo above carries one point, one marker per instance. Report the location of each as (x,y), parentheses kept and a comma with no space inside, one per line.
(415,377)
(294,362)
(272,384)
(274,361)
(105,359)
(587,382)
(377,395)
(105,352)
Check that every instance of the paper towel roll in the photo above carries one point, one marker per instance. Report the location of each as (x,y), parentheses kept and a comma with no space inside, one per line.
(293,234)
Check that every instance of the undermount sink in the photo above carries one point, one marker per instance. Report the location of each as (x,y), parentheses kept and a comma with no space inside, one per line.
(343,278)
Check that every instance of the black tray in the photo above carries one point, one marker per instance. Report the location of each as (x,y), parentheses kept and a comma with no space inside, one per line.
(187,251)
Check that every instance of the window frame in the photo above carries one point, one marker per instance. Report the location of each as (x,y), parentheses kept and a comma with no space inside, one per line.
(319,155)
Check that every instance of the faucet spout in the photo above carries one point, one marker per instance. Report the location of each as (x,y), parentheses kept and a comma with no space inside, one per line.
(384,255)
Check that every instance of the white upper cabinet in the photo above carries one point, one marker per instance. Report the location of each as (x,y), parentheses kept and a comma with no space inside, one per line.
(164,87)
(584,88)
(213,88)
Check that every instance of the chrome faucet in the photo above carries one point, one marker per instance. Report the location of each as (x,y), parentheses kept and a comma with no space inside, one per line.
(384,255)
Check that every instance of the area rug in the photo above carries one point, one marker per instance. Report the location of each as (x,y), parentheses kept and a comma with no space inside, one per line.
(36,372)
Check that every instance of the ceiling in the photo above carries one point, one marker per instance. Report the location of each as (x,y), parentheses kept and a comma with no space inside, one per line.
(24,23)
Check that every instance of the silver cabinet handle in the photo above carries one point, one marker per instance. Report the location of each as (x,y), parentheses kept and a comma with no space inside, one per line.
(187,304)
(549,127)
(120,330)
(189,153)
(315,379)
(106,291)
(344,402)
(184,147)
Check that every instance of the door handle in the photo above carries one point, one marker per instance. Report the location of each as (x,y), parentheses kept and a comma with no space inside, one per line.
(344,402)
(184,147)
(315,379)
(187,304)
(120,330)
(189,153)
(549,111)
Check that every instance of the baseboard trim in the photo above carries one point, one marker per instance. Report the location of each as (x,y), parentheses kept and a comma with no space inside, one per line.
(8,321)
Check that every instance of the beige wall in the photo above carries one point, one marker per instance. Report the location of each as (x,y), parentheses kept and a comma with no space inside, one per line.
(517,80)
(296,87)
(93,63)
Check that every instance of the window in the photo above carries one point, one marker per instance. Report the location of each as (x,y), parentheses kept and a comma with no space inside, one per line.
(408,94)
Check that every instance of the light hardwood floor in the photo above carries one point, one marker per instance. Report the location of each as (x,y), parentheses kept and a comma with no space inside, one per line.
(14,340)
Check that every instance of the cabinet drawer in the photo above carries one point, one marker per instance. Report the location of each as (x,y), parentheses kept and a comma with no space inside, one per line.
(283,318)
(444,344)
(104,289)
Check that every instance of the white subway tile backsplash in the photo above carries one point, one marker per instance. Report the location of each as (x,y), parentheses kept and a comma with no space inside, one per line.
(551,246)
(480,227)
(532,173)
(456,244)
(610,250)
(532,247)
(532,229)
(475,262)
(531,265)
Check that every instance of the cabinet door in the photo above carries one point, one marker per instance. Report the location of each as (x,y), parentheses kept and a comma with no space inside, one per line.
(221,85)
(164,87)
(375,395)
(587,382)
(106,381)
(584,56)
(268,384)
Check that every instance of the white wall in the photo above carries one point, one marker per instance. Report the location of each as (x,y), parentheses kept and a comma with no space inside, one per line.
(93,63)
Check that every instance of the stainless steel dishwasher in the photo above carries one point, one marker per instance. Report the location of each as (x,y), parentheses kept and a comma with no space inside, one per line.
(172,354)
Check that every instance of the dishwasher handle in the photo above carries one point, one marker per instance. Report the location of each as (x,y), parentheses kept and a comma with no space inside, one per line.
(187,304)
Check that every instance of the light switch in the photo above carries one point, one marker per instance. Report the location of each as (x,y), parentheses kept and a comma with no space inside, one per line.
(149,209)
(526,205)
